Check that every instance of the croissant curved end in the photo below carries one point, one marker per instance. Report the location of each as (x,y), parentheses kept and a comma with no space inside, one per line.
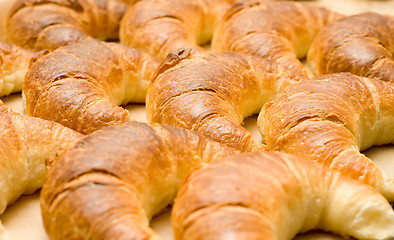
(14,63)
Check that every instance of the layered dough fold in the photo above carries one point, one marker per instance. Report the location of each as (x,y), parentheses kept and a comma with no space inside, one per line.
(27,144)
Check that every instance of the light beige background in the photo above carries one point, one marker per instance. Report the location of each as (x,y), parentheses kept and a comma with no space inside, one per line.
(23,220)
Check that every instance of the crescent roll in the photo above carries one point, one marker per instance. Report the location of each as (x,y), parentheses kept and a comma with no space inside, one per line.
(362,44)
(271,195)
(161,26)
(330,119)
(26,143)
(213,92)
(81,85)
(279,31)
(14,62)
(3,233)
(114,180)
(49,24)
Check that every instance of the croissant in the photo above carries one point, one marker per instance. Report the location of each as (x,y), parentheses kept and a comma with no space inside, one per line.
(362,44)
(271,195)
(26,143)
(330,119)
(212,93)
(84,90)
(279,31)
(14,62)
(161,26)
(49,24)
(114,180)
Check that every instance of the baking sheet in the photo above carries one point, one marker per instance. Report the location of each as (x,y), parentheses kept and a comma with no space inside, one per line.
(23,220)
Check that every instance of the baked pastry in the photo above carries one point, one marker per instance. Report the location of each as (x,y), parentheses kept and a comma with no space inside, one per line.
(330,119)
(25,144)
(161,26)
(362,44)
(114,180)
(271,195)
(84,92)
(279,31)
(49,24)
(14,62)
(212,93)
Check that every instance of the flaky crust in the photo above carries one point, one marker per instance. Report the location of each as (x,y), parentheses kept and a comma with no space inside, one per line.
(14,62)
(161,26)
(331,119)
(26,144)
(271,195)
(362,44)
(280,31)
(84,92)
(49,24)
(213,93)
(113,181)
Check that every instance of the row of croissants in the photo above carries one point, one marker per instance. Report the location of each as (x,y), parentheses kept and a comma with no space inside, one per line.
(200,67)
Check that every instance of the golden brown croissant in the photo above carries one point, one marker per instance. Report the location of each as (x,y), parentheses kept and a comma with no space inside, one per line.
(275,30)
(331,119)
(114,180)
(3,233)
(14,62)
(49,24)
(271,195)
(161,26)
(26,143)
(362,44)
(80,85)
(213,93)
